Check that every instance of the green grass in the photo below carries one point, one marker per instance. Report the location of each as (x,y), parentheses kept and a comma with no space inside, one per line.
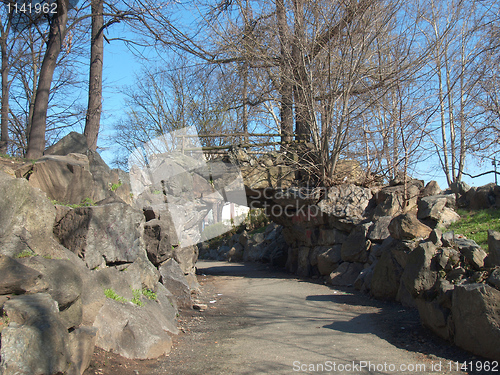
(25,254)
(110,293)
(475,224)
(113,187)
(87,202)
(136,299)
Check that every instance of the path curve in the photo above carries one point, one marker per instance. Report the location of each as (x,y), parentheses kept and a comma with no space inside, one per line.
(262,322)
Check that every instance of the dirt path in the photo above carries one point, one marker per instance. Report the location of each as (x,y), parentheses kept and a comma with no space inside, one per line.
(262,322)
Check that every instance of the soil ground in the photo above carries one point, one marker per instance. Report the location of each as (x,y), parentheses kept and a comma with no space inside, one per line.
(261,321)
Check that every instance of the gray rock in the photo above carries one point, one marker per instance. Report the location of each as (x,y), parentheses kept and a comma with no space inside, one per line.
(435,237)
(472,252)
(482,197)
(36,341)
(448,217)
(142,274)
(420,274)
(346,205)
(328,260)
(476,316)
(494,248)
(63,278)
(379,230)
(494,278)
(435,317)
(159,238)
(66,179)
(27,219)
(132,331)
(386,277)
(81,347)
(356,246)
(19,279)
(331,236)
(346,274)
(448,239)
(303,265)
(407,227)
(431,207)
(186,256)
(102,235)
(432,188)
(174,280)
(390,200)
(73,142)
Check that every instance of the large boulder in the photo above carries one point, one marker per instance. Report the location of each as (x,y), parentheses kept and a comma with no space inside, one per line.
(172,277)
(483,197)
(101,235)
(64,286)
(19,279)
(328,259)
(407,227)
(135,332)
(379,230)
(386,277)
(106,182)
(346,274)
(346,205)
(420,273)
(472,252)
(356,246)
(36,341)
(66,179)
(494,248)
(391,200)
(26,220)
(476,315)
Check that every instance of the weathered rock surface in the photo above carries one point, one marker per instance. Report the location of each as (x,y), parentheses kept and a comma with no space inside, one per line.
(390,200)
(36,341)
(66,179)
(356,246)
(472,252)
(407,227)
(102,235)
(494,248)
(81,347)
(386,277)
(21,229)
(346,274)
(346,205)
(19,279)
(379,230)
(174,280)
(420,274)
(328,259)
(134,332)
(476,316)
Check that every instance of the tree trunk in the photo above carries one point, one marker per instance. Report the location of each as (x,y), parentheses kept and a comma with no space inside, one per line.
(36,142)
(94,110)
(286,87)
(4,142)
(302,128)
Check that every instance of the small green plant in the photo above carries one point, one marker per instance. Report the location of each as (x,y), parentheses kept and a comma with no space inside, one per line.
(87,202)
(110,293)
(157,192)
(113,187)
(25,254)
(149,294)
(137,297)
